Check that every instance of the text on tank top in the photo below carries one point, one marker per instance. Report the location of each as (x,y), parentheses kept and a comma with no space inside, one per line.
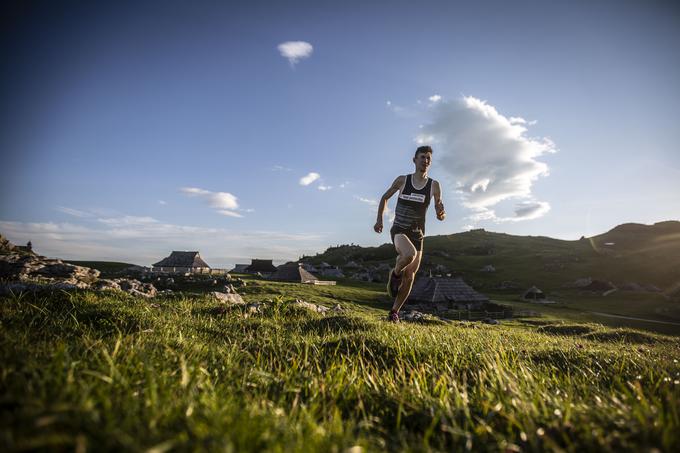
(412,205)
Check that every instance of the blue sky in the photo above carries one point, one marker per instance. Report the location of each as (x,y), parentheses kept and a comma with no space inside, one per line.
(131,131)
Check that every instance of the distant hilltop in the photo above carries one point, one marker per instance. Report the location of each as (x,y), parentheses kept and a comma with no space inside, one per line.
(628,253)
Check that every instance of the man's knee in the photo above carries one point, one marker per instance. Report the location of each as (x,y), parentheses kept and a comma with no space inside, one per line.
(409,274)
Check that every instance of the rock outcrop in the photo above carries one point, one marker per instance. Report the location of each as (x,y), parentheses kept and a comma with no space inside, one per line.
(22,271)
(228,298)
(17,266)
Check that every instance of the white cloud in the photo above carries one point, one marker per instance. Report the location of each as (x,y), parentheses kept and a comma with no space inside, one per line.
(309,178)
(488,157)
(195,191)
(281,168)
(368,201)
(374,205)
(229,213)
(435,98)
(399,110)
(128,220)
(73,212)
(294,51)
(531,209)
(517,120)
(144,241)
(161,202)
(221,201)
(324,188)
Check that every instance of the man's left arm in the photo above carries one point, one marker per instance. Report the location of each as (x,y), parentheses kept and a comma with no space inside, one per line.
(438,203)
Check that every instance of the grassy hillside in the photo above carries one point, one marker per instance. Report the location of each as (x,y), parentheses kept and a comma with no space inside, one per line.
(113,372)
(629,253)
(105,267)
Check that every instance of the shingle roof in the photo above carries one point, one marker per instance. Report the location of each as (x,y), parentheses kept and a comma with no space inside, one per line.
(533,293)
(293,272)
(261,266)
(182,259)
(444,289)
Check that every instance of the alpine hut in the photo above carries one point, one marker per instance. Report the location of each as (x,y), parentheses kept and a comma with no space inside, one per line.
(182,262)
(261,266)
(446,292)
(533,293)
(240,268)
(293,272)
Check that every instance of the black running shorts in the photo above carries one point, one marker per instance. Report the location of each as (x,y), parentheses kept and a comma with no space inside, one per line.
(415,236)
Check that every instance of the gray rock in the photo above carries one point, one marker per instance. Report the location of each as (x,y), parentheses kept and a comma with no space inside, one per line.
(490,321)
(231,298)
(136,288)
(311,306)
(65,270)
(106,285)
(411,316)
(5,245)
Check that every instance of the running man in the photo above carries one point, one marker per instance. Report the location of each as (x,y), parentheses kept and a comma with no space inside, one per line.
(408,228)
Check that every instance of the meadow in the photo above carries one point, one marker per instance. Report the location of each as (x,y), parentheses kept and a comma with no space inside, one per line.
(90,371)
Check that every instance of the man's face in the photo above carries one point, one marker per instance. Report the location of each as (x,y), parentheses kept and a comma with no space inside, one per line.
(422,161)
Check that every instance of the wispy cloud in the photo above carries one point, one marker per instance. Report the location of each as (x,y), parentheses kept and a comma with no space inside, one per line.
(294,51)
(324,188)
(195,191)
(229,213)
(488,157)
(374,205)
(144,240)
(223,202)
(309,178)
(128,220)
(74,212)
(368,201)
(399,110)
(435,98)
(162,202)
(530,209)
(281,168)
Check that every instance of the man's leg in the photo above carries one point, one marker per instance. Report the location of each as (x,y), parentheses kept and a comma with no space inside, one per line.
(406,252)
(408,276)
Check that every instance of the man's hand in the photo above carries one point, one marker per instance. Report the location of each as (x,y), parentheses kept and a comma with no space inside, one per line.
(378,227)
(441,213)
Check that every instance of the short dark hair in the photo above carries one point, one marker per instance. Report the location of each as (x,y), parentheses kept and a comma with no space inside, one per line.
(423,149)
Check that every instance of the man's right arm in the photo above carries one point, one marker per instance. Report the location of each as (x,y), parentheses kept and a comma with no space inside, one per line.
(394,188)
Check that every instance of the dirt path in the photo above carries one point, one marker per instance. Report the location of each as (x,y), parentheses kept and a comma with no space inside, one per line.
(634,319)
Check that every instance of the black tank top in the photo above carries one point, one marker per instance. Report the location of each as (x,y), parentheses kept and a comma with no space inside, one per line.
(412,206)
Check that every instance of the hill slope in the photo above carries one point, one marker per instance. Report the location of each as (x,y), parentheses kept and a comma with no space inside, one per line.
(644,254)
(112,372)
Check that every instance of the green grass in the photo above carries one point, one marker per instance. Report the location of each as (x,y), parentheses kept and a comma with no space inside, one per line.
(581,307)
(648,257)
(111,372)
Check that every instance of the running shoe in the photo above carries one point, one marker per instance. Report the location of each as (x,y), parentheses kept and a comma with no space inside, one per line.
(393,316)
(393,283)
